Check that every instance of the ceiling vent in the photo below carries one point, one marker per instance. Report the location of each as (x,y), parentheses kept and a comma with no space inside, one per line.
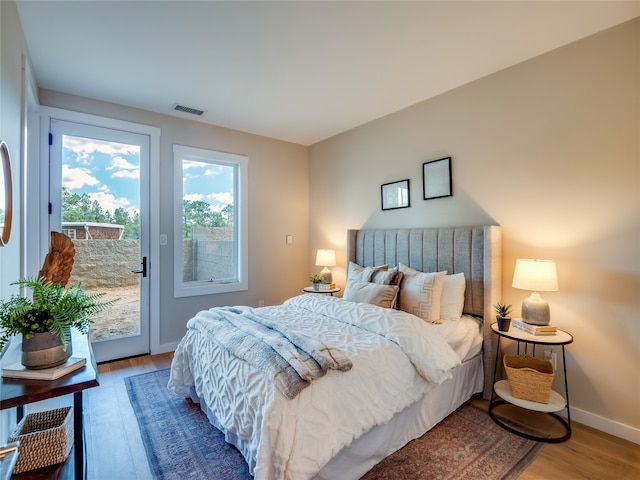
(193,111)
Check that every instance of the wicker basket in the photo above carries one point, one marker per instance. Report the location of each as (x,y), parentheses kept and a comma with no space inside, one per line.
(45,438)
(529,377)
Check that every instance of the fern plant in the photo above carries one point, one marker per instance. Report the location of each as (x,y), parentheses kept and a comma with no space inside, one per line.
(52,308)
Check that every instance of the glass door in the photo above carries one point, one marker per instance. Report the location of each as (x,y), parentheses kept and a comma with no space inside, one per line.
(100,199)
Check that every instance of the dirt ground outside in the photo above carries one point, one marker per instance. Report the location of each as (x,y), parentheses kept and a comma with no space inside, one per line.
(121,319)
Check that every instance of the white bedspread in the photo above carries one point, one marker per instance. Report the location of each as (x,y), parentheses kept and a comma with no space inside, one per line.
(463,335)
(396,358)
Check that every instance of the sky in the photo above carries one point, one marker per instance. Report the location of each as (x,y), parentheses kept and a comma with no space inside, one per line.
(211,183)
(109,172)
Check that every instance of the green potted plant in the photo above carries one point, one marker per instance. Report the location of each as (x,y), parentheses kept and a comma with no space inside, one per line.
(316,280)
(46,319)
(503,319)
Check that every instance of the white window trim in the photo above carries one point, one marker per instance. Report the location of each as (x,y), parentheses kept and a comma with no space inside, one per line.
(189,289)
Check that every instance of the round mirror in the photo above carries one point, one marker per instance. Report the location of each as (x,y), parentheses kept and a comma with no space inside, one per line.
(6,195)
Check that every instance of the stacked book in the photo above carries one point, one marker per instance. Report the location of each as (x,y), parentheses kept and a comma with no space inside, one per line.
(17,370)
(327,286)
(533,329)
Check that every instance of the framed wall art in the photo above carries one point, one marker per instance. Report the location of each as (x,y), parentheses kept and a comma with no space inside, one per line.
(436,178)
(395,195)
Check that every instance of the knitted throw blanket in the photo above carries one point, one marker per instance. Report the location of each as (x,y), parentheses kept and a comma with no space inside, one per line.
(290,359)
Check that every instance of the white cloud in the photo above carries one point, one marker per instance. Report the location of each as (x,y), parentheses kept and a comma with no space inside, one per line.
(124,168)
(193,197)
(187,164)
(75,178)
(119,162)
(212,171)
(108,202)
(85,146)
(134,174)
(225,198)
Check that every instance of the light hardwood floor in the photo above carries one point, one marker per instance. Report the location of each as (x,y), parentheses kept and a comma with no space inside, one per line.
(115,450)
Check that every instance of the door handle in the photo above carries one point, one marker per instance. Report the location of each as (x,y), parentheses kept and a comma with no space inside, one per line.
(142,271)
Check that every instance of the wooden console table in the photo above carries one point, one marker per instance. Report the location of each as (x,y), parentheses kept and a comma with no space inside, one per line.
(20,392)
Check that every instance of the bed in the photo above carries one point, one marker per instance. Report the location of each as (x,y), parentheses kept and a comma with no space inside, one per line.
(388,384)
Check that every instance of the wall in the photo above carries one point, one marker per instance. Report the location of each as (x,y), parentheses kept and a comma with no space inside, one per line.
(549,149)
(13,52)
(278,205)
(101,264)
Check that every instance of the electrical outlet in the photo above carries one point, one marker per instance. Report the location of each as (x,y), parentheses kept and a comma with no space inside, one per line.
(551,357)
(260,303)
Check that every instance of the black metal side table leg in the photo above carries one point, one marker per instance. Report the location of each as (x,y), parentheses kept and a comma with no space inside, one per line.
(78,437)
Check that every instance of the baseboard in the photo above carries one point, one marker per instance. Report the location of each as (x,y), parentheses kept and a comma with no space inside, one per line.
(605,425)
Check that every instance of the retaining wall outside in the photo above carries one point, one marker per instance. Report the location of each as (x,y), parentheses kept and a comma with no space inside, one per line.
(105,263)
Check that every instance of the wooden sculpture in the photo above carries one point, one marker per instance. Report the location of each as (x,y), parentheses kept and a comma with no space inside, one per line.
(59,261)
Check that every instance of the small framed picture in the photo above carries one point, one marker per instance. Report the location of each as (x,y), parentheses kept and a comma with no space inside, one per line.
(436,178)
(395,195)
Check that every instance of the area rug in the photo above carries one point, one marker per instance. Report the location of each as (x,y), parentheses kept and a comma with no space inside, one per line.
(181,444)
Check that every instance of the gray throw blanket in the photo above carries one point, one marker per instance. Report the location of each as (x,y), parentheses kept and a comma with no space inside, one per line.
(289,358)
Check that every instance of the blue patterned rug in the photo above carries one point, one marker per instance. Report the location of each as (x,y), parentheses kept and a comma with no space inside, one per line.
(181,444)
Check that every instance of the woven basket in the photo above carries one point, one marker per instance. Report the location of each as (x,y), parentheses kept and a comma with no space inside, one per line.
(529,377)
(45,438)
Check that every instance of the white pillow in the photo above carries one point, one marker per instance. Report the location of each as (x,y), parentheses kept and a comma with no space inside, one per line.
(452,300)
(373,293)
(420,293)
(358,273)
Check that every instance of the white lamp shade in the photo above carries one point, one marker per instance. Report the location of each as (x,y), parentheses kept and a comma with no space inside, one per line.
(535,275)
(326,258)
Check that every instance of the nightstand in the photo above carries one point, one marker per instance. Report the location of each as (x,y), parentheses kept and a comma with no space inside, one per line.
(330,291)
(532,420)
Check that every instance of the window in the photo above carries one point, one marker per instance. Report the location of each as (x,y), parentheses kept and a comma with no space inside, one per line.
(70,232)
(210,227)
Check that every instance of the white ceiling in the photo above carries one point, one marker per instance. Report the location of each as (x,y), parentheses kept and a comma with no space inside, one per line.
(298,71)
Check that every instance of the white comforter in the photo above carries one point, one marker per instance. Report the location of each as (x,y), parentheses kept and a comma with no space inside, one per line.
(396,358)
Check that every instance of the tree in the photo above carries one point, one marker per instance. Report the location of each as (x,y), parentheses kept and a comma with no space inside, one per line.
(197,213)
(75,208)
(228,215)
(80,208)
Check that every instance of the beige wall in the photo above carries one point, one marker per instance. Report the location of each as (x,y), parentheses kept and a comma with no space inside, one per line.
(549,149)
(278,205)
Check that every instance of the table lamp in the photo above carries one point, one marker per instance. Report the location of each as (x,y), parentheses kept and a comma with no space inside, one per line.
(535,275)
(326,258)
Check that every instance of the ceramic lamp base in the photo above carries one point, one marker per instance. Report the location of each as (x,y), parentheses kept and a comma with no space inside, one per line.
(535,310)
(328,276)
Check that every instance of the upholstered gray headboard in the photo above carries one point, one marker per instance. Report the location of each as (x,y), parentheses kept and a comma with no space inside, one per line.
(474,251)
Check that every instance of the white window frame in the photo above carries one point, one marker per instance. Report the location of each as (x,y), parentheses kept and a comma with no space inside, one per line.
(69,232)
(241,164)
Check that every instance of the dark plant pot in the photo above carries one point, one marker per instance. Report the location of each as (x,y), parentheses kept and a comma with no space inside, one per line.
(503,323)
(44,350)
(316,287)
